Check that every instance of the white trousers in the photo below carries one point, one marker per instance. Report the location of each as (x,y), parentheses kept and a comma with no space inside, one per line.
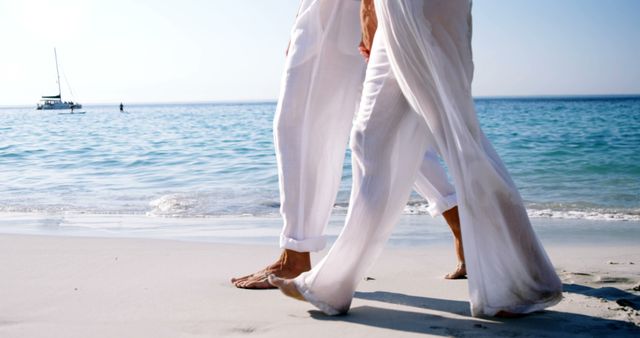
(417,96)
(319,96)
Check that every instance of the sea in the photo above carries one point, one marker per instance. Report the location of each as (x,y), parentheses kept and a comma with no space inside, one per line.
(205,170)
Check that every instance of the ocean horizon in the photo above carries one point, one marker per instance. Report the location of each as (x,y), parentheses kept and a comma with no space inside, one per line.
(273,100)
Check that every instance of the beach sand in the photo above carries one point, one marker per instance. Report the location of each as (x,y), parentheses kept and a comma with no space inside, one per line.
(117,287)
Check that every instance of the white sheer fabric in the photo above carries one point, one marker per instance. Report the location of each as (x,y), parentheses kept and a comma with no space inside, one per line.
(319,95)
(421,62)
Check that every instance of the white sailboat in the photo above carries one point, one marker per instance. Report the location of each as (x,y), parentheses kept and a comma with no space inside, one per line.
(55,102)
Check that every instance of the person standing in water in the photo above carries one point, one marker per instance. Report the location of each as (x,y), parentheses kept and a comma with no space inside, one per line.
(121,107)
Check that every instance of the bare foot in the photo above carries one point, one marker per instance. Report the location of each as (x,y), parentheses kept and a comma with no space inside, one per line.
(289,265)
(286,286)
(459,273)
(256,280)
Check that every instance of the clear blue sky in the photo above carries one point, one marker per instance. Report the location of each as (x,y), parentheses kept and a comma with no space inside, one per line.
(209,50)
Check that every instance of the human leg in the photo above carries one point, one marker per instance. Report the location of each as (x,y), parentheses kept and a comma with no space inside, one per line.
(433,184)
(453,220)
(318,97)
(430,54)
(388,142)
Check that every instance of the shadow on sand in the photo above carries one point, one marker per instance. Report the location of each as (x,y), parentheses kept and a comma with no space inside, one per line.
(540,324)
(621,297)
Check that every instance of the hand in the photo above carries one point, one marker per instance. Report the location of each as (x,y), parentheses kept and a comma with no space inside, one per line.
(369,24)
(364,51)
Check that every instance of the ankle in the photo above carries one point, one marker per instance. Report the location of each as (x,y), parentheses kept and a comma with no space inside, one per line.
(296,260)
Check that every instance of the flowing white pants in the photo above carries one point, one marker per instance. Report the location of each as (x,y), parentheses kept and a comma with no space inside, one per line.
(417,95)
(319,96)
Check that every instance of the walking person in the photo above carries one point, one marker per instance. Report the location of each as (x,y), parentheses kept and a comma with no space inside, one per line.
(417,95)
(319,96)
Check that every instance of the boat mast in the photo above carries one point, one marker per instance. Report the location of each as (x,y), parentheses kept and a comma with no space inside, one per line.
(57,72)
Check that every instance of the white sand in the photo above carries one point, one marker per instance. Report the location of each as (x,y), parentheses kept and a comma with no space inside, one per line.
(100,287)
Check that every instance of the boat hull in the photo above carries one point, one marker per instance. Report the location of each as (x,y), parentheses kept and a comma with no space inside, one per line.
(58,106)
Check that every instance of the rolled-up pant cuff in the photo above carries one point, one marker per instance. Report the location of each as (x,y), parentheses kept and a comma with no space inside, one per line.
(443,205)
(304,245)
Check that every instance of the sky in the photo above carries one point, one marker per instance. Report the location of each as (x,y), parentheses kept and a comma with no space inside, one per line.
(138,51)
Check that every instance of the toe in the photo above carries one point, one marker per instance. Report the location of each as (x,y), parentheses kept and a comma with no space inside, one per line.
(458,274)
(243,283)
(238,279)
(257,284)
(246,277)
(260,284)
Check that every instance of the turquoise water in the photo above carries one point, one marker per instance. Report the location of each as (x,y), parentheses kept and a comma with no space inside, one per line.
(570,157)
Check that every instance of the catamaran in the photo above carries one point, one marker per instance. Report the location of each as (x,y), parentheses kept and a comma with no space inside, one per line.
(55,101)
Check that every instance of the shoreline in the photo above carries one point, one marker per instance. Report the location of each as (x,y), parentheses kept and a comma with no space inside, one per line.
(118,287)
(411,231)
